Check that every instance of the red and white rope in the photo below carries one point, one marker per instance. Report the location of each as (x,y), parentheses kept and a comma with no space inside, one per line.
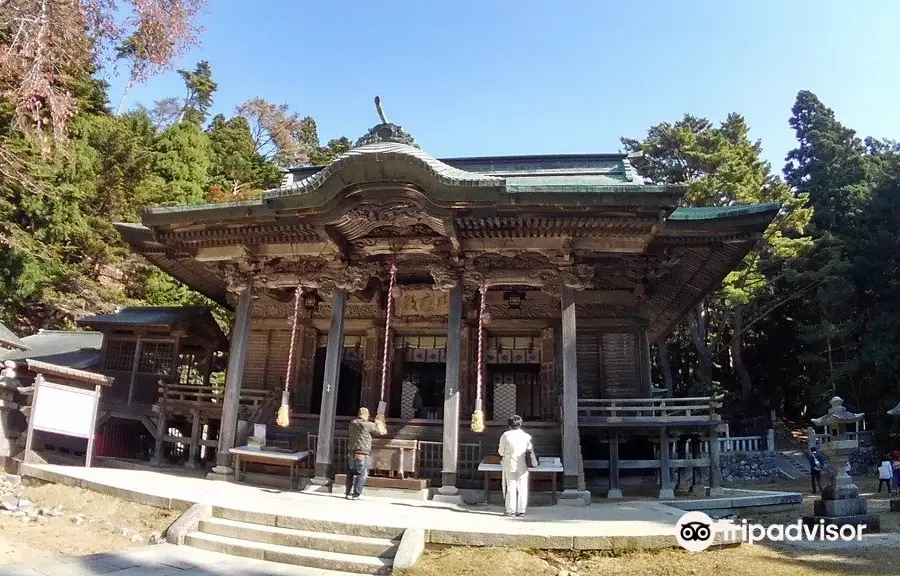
(387,330)
(482,317)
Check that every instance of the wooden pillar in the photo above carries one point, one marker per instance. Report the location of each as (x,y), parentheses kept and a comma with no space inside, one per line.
(614,489)
(237,354)
(135,366)
(306,361)
(549,393)
(696,478)
(715,466)
(682,445)
(160,443)
(570,391)
(646,361)
(333,356)
(371,388)
(450,456)
(467,356)
(207,365)
(194,450)
(665,478)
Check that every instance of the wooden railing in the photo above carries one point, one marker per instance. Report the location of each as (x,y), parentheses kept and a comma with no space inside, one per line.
(649,410)
(729,444)
(208,396)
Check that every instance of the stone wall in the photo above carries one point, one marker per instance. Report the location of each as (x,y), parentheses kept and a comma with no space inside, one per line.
(739,467)
(749,466)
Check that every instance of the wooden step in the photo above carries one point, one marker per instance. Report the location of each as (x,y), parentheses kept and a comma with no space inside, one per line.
(384,482)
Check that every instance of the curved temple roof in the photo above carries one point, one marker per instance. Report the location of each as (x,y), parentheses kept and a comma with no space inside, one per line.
(592,204)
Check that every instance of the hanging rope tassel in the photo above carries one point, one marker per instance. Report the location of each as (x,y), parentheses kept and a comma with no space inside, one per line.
(380,424)
(284,411)
(483,318)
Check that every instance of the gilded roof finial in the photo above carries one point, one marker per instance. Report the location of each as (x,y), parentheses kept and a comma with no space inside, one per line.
(380,110)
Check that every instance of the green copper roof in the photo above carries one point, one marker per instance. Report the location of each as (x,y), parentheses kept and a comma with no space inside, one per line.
(578,184)
(714,212)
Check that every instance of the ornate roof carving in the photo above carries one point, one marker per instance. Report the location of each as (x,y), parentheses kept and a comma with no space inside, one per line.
(385,131)
(387,151)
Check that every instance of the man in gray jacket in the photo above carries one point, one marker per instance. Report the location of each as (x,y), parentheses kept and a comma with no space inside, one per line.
(358,448)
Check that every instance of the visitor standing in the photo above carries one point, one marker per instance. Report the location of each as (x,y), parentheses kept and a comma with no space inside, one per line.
(895,463)
(516,452)
(815,468)
(885,475)
(359,446)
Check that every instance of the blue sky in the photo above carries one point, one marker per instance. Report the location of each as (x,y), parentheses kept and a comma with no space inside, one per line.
(494,77)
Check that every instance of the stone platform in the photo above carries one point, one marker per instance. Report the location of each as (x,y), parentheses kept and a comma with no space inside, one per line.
(625,524)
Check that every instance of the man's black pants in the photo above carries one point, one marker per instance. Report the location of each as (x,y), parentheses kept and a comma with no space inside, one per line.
(886,482)
(815,478)
(357,471)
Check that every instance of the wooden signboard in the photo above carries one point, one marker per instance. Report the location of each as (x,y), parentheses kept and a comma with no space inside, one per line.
(66,409)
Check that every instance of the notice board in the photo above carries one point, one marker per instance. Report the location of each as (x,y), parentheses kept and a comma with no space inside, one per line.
(65,410)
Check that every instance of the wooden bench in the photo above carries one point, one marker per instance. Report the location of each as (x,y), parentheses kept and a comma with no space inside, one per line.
(269,457)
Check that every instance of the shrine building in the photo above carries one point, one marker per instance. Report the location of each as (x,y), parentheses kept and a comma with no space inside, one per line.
(530,285)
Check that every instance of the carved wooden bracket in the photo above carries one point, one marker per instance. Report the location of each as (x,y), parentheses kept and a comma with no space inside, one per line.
(444,277)
(240,275)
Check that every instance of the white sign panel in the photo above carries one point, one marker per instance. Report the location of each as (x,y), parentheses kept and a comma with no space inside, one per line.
(65,410)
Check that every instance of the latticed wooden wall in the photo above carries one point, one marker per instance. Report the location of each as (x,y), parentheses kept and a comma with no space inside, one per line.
(609,364)
(431,460)
(157,359)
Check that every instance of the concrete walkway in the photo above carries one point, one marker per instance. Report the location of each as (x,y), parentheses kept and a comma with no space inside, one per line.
(162,560)
(641,523)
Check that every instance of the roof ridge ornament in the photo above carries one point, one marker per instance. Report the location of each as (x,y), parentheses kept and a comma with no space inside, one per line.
(380,109)
(385,131)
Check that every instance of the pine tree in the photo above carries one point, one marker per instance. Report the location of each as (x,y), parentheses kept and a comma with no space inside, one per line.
(722,166)
(200,89)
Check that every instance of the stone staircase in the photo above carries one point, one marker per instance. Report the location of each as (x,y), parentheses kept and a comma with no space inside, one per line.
(324,545)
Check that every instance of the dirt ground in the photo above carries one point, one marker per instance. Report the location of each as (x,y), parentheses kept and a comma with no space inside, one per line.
(868,486)
(781,560)
(87,523)
(744,560)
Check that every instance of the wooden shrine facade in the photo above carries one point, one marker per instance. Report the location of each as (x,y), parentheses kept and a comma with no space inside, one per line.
(556,241)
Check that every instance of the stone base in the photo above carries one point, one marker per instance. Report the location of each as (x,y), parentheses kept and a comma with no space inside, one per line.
(614,494)
(840,508)
(221,476)
(574,498)
(895,504)
(321,481)
(446,490)
(666,494)
(448,498)
(840,492)
(871,521)
(718,492)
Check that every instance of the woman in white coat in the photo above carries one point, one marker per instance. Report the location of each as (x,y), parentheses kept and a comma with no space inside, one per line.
(515,444)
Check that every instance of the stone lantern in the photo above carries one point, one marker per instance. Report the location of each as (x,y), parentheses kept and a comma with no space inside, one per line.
(8,386)
(840,503)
